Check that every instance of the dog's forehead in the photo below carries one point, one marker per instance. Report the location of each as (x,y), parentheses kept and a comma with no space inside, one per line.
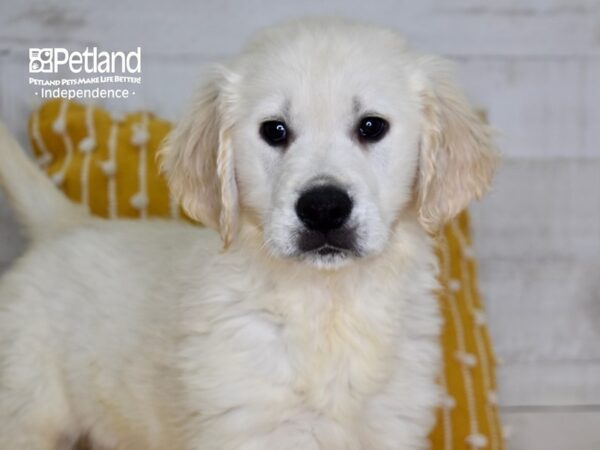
(349,64)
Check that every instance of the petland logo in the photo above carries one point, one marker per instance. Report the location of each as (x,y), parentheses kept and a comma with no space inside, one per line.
(90,67)
(50,60)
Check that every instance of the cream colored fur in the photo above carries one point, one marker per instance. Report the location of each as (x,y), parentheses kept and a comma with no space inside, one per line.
(152,335)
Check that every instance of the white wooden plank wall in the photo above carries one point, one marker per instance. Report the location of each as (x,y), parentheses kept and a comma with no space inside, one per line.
(533,64)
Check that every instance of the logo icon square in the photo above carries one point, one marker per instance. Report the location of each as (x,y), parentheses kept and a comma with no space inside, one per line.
(40,60)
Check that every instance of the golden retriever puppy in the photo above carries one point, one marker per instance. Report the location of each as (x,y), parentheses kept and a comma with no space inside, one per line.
(324,155)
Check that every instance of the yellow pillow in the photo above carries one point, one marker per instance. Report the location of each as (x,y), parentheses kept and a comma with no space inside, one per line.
(109,164)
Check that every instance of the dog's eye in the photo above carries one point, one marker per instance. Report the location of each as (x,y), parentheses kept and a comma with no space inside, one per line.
(372,129)
(274,132)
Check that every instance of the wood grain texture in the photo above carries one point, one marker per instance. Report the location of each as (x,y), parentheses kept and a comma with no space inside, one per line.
(190,27)
(543,107)
(537,240)
(553,429)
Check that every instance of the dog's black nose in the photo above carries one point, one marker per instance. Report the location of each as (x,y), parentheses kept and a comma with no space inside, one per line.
(324,208)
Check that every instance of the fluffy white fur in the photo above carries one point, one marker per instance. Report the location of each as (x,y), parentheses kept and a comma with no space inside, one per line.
(153,335)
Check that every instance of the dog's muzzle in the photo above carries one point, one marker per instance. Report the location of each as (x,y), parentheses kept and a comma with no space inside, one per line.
(324,211)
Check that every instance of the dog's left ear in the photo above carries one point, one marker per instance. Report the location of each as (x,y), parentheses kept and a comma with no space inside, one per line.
(458,157)
(197,156)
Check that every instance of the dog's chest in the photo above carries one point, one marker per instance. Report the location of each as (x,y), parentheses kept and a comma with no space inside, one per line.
(340,344)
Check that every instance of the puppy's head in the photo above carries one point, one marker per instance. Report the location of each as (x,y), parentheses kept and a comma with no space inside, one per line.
(322,134)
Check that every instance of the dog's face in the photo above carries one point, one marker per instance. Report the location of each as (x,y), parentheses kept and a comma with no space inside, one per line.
(323,134)
(326,146)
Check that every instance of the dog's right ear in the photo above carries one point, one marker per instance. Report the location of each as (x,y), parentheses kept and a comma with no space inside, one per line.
(197,156)
(458,156)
